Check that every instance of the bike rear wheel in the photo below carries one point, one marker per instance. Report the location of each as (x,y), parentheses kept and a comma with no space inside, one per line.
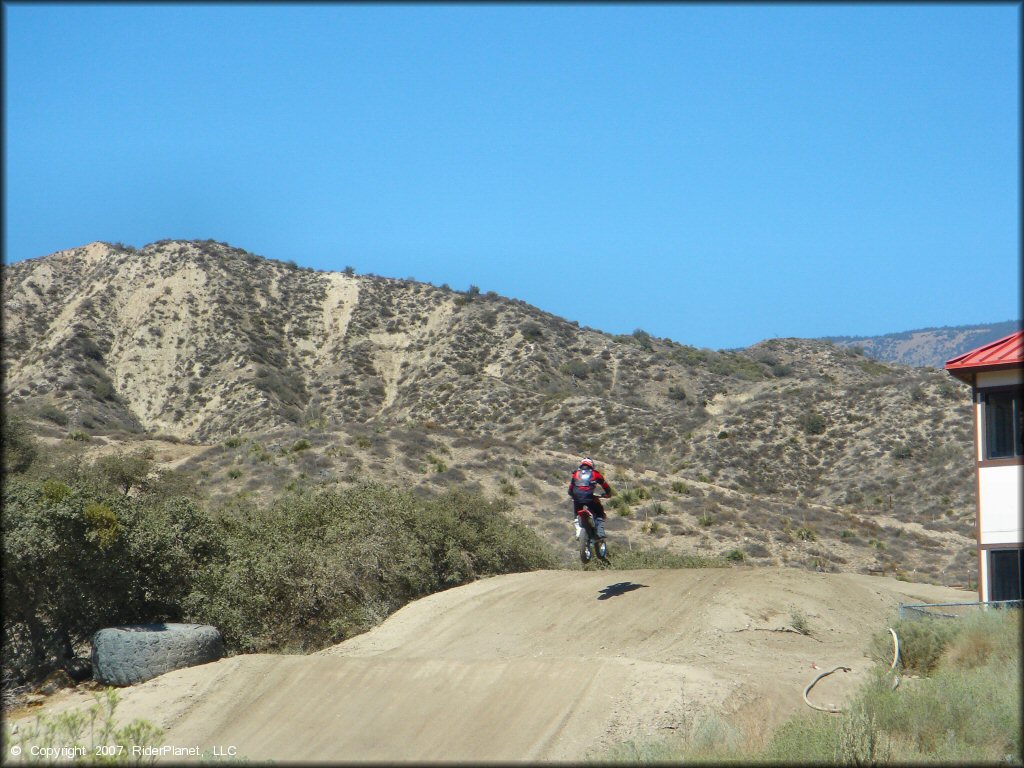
(585,552)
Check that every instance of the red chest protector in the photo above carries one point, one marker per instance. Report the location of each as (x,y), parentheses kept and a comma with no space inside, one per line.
(584,483)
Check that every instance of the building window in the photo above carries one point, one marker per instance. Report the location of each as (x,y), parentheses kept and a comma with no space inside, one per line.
(1004,425)
(1004,574)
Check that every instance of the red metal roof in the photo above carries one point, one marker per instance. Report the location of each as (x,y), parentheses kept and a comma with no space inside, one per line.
(1007,352)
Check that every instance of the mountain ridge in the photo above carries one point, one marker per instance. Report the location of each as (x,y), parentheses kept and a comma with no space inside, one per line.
(767,451)
(947,341)
(930,347)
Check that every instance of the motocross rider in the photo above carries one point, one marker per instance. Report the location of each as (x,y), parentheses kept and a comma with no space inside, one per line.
(581,489)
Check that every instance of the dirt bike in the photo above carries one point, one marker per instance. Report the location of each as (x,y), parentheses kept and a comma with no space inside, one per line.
(590,545)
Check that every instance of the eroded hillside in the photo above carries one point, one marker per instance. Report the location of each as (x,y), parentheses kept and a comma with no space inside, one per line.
(791,451)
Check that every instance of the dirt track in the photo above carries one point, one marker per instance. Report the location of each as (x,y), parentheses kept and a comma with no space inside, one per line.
(539,666)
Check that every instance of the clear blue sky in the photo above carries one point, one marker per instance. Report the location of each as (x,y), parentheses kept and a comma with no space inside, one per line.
(716,174)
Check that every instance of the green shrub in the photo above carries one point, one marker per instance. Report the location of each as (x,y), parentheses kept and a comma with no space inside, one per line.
(902,451)
(677,393)
(531,331)
(806,533)
(634,495)
(76,561)
(438,465)
(300,572)
(643,338)
(301,445)
(799,622)
(577,368)
(312,568)
(809,738)
(19,447)
(103,527)
(965,711)
(622,502)
(124,471)
(922,642)
(812,423)
(735,556)
(102,388)
(968,711)
(84,734)
(55,491)
(644,752)
(53,414)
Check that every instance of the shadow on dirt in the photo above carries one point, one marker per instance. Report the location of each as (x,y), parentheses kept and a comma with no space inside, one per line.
(614,590)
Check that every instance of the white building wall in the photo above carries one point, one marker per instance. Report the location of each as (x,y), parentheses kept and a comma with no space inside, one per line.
(1000,490)
(999,378)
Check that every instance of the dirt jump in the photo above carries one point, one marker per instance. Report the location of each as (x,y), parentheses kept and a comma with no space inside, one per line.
(544,666)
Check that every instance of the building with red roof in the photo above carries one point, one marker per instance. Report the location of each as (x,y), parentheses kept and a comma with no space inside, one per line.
(996,375)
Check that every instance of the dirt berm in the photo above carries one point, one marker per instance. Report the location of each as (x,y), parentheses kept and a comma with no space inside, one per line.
(551,665)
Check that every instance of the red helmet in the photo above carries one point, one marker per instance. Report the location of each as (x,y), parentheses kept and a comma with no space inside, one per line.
(586,462)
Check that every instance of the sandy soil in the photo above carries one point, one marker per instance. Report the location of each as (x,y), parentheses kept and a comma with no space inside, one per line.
(543,666)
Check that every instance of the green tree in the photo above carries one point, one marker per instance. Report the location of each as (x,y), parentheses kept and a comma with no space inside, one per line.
(77,558)
(20,448)
(124,471)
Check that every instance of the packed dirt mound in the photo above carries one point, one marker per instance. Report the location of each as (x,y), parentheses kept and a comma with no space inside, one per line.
(551,665)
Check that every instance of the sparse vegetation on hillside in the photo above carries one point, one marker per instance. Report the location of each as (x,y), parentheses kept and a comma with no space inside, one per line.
(927,346)
(967,711)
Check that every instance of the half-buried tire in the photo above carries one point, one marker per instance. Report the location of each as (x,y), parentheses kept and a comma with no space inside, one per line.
(133,654)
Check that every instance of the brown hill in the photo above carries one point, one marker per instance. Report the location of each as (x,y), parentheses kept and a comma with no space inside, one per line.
(250,374)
